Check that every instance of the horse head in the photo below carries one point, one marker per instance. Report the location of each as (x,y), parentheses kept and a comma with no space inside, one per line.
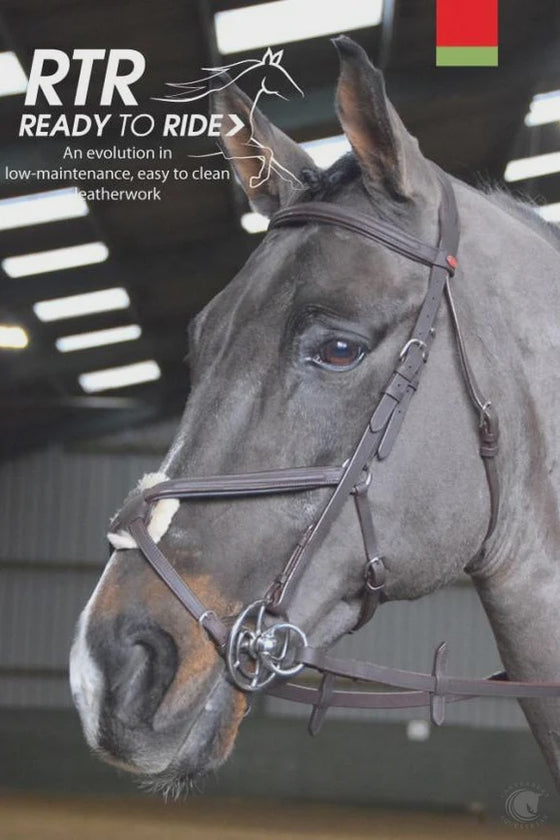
(286,364)
(276,81)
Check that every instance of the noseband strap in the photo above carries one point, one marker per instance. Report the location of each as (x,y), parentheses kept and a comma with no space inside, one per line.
(261,650)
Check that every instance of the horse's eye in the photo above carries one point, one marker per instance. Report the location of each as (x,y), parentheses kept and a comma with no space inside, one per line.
(339,354)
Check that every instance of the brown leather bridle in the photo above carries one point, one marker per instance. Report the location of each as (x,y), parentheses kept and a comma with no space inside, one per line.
(261,650)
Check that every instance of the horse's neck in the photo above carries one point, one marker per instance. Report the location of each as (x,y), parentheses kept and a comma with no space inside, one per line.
(517,342)
(521,602)
(521,595)
(510,291)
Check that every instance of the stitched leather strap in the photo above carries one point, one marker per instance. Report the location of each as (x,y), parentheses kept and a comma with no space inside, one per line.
(215,628)
(374,575)
(320,660)
(488,431)
(388,235)
(270,481)
(456,690)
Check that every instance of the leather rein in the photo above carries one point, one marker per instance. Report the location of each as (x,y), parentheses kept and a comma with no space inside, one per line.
(261,650)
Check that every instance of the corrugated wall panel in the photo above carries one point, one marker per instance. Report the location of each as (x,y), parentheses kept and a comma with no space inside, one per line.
(56,505)
(30,692)
(54,514)
(38,612)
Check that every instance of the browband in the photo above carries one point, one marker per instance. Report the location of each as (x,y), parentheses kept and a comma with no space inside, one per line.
(388,235)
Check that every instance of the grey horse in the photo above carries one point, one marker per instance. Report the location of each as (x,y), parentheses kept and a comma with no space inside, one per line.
(286,365)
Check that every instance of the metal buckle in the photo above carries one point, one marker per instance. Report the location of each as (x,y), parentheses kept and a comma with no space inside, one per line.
(256,654)
(202,618)
(363,486)
(410,343)
(375,574)
(483,415)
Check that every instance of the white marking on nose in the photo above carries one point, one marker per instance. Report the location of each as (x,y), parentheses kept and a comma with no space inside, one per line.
(161,516)
(86,678)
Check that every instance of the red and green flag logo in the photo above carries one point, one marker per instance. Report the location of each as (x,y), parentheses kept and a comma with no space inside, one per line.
(467,33)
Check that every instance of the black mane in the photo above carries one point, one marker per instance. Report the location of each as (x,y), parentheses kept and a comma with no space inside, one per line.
(324,185)
(523,208)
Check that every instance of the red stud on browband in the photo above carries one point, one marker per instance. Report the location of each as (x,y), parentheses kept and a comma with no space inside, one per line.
(452,261)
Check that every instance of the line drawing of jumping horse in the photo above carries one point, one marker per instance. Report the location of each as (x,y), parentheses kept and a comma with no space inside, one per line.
(275,79)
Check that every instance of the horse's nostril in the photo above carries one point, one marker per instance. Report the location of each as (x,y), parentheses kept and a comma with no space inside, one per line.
(140,662)
(131,681)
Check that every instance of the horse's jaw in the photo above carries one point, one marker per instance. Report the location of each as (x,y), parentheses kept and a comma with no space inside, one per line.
(172,755)
(203,746)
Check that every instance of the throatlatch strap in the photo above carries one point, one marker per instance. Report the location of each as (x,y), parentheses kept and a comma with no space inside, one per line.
(488,432)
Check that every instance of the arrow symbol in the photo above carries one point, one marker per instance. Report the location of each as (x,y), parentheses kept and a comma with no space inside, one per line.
(238,124)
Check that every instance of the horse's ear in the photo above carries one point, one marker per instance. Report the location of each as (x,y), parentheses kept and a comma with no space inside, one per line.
(388,155)
(268,163)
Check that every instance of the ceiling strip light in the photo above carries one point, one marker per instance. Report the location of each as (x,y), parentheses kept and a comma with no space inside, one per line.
(119,377)
(12,337)
(12,78)
(56,260)
(38,208)
(254,222)
(325,151)
(532,167)
(550,212)
(545,108)
(75,306)
(284,21)
(82,341)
